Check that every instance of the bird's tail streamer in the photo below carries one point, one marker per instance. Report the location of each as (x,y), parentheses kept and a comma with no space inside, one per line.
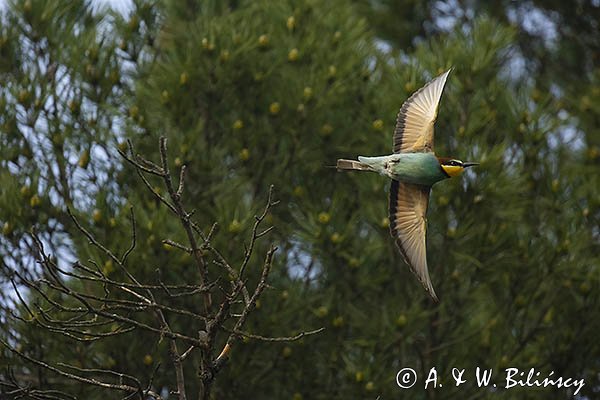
(351,165)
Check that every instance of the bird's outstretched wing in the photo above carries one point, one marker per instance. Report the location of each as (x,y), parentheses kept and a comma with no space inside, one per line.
(408,225)
(414,124)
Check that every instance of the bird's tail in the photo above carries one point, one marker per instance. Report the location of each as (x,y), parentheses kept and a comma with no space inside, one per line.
(352,165)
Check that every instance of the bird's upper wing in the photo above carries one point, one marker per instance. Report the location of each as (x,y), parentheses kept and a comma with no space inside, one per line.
(408,225)
(414,124)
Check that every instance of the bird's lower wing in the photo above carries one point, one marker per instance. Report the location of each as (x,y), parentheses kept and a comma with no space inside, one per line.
(408,225)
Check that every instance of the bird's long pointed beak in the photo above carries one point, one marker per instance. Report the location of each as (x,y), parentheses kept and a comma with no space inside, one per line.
(470,164)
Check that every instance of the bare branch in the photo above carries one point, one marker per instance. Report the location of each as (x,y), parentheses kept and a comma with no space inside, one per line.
(140,163)
(105,305)
(185,221)
(279,338)
(255,235)
(79,378)
(15,391)
(248,308)
(177,245)
(155,193)
(133,236)
(100,246)
(181,179)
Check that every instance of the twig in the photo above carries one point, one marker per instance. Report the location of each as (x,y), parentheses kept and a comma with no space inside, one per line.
(89,381)
(181,179)
(247,309)
(100,246)
(133,236)
(185,220)
(279,338)
(255,235)
(177,245)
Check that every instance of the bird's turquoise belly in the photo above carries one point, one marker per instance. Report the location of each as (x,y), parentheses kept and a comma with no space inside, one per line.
(418,168)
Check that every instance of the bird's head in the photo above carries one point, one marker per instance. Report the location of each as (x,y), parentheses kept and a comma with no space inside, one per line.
(453,167)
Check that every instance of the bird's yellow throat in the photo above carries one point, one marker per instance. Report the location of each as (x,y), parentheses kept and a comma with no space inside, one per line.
(453,170)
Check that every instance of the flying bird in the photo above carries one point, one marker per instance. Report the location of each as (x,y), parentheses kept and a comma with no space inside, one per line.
(414,169)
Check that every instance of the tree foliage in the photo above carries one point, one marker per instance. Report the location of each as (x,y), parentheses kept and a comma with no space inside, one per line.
(257,93)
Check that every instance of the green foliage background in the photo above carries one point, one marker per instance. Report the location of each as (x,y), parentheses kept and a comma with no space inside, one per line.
(254,93)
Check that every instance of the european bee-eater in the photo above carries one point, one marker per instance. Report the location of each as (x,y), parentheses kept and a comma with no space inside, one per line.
(413,168)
